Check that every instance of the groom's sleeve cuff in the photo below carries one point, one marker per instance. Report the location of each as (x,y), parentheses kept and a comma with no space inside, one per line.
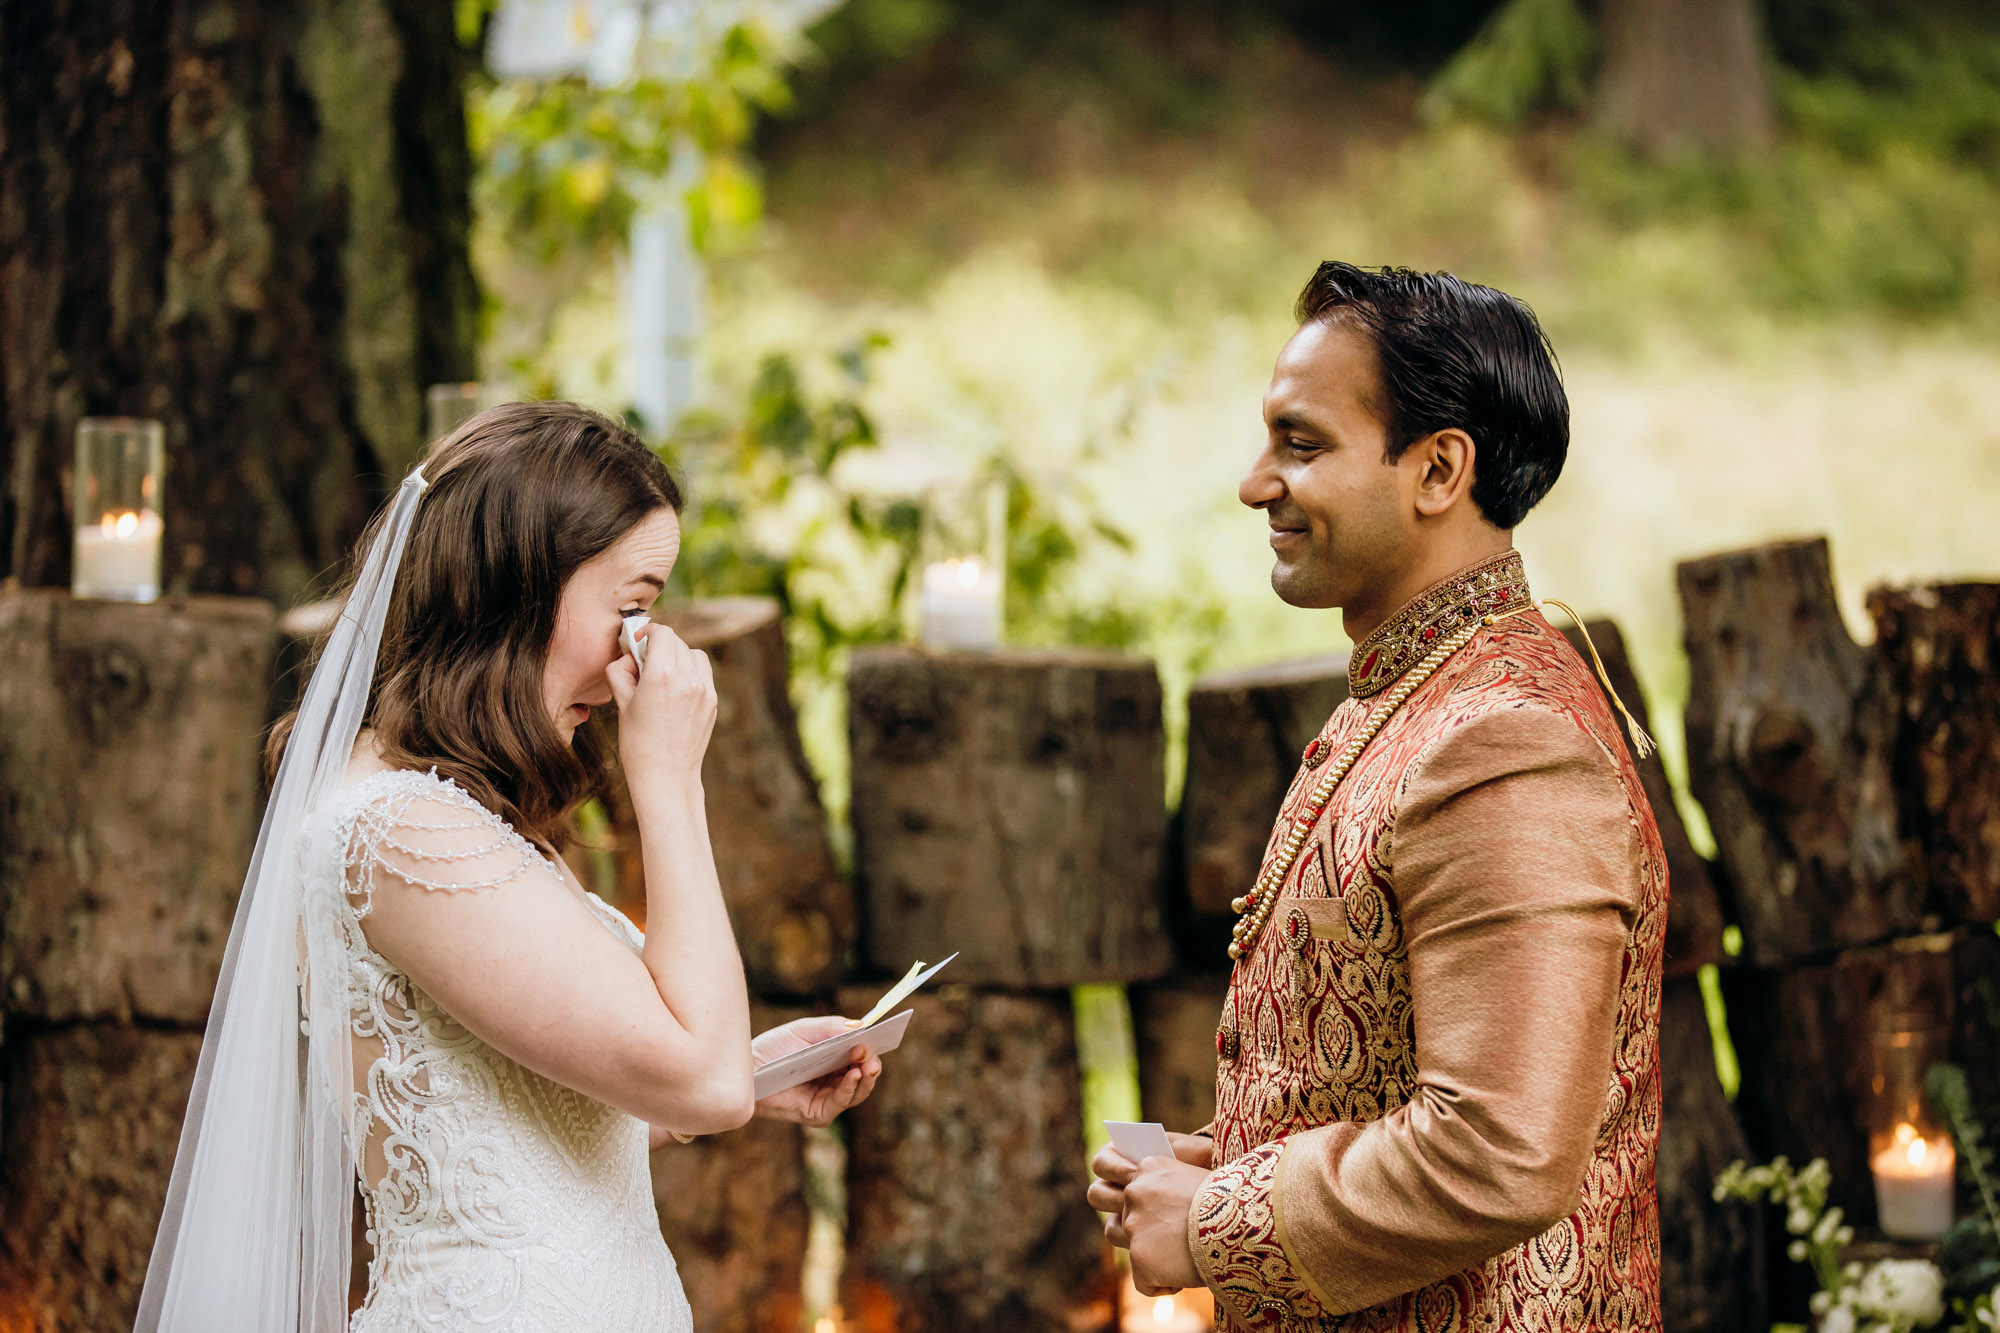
(1238,1240)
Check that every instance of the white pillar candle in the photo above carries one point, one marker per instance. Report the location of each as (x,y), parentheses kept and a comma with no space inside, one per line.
(118,559)
(1189,1311)
(961,604)
(1913,1179)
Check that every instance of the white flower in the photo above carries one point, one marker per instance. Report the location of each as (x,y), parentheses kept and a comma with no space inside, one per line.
(1989,1310)
(1903,1289)
(1840,1319)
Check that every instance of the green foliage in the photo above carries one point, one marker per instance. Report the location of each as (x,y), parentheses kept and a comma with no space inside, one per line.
(1530,55)
(1970,1254)
(1817,1231)
(563,163)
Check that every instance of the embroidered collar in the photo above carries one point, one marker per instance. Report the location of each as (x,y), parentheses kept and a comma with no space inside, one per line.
(1490,588)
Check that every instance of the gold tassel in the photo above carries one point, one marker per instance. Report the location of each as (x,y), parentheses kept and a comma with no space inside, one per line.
(1642,744)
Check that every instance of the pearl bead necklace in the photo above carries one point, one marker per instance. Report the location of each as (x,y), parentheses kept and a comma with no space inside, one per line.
(1254,908)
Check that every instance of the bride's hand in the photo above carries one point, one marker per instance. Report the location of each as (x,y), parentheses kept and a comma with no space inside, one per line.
(666,713)
(818,1102)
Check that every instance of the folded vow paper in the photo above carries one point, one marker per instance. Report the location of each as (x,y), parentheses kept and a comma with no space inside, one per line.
(871,1031)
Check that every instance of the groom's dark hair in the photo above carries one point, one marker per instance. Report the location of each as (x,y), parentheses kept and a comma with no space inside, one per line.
(1454,354)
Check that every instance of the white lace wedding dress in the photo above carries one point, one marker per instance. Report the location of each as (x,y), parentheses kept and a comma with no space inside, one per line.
(497,1200)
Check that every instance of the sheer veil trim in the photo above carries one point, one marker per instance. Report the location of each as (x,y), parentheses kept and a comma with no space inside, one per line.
(255,1236)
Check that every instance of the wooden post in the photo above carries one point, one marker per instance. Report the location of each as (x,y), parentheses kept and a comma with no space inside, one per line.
(1804,1036)
(1788,749)
(1009,807)
(1940,648)
(966,1175)
(733,1210)
(793,913)
(1695,918)
(1711,1254)
(129,800)
(1173,1025)
(1247,731)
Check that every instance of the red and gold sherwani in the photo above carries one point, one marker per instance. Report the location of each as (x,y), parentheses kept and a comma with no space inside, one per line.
(1438,1082)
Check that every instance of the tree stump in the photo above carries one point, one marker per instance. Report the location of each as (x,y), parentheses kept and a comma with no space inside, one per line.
(1246,733)
(1940,648)
(966,1175)
(1788,750)
(130,740)
(1804,1036)
(93,1116)
(1008,806)
(793,913)
(1711,1254)
(1695,918)
(733,1210)
(1173,1025)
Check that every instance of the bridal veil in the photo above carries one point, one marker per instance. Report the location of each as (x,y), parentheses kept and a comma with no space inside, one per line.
(255,1237)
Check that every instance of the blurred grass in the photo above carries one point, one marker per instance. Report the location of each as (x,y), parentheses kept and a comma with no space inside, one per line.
(1084,255)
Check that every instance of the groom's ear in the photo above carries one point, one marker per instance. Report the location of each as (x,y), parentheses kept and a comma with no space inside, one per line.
(1442,465)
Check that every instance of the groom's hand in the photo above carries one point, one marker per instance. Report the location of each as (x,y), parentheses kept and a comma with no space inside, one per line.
(1148,1206)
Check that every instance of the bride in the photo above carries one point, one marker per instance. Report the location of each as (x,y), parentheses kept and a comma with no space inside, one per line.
(418,995)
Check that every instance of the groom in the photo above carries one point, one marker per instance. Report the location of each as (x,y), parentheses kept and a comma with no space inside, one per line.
(1437,1077)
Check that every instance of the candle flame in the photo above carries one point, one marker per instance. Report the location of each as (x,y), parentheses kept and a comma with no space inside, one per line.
(1917,1151)
(967,572)
(1163,1310)
(123,525)
(1905,1132)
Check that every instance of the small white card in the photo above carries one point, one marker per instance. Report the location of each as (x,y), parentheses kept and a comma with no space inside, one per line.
(1136,1140)
(823,1057)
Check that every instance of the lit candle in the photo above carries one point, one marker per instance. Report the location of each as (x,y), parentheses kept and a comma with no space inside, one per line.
(961,604)
(1190,1311)
(1913,1177)
(119,558)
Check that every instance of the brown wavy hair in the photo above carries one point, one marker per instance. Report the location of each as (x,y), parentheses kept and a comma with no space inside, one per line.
(520,497)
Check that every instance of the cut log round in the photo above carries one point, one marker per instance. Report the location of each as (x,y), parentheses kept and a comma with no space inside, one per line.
(1246,733)
(733,1211)
(793,912)
(1789,742)
(1173,1025)
(1711,1254)
(966,1175)
(1805,1037)
(1940,648)
(93,1116)
(130,741)
(1008,806)
(1694,907)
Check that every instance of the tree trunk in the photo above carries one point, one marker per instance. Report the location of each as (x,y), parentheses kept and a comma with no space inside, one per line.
(1009,807)
(1940,647)
(1247,731)
(1711,1254)
(733,1210)
(248,221)
(1789,739)
(1694,908)
(1682,74)
(1173,1026)
(794,915)
(93,1116)
(966,1175)
(129,800)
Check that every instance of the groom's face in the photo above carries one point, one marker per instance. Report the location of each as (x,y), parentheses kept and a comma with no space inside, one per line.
(1334,504)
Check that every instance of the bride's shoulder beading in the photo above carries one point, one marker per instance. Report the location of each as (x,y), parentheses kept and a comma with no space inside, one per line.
(427,831)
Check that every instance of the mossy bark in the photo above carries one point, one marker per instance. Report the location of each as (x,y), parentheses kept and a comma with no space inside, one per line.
(249,221)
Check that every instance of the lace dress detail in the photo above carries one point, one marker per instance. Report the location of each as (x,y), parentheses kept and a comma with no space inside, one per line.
(497,1200)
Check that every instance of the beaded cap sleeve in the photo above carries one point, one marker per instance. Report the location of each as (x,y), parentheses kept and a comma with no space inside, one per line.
(497,1199)
(427,831)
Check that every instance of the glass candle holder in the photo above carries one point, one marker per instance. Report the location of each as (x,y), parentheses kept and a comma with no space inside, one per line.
(446,406)
(1909,1153)
(120,466)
